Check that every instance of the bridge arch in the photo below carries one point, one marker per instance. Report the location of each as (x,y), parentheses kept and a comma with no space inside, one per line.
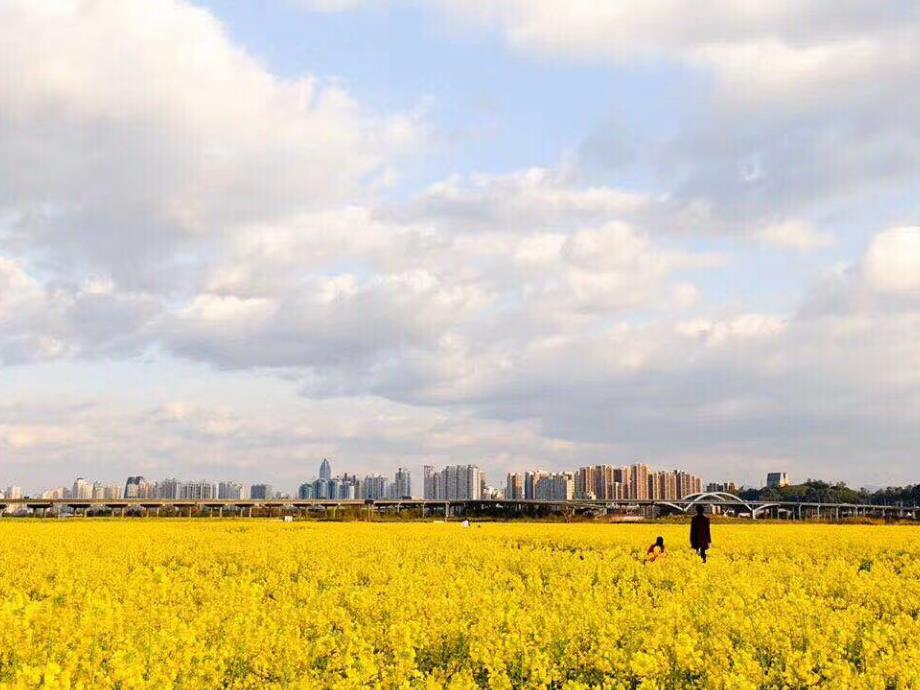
(765,506)
(718,498)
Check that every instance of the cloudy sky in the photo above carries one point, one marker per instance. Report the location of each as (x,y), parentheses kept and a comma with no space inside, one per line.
(238,237)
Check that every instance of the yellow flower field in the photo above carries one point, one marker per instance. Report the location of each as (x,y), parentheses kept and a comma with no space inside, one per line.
(257,604)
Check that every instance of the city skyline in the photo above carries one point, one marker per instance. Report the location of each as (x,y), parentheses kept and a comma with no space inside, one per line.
(235,237)
(238,487)
(602,481)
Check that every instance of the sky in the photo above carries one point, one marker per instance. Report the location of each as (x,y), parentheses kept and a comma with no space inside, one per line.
(236,238)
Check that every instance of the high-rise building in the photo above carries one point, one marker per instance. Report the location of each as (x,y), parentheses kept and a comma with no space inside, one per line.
(13,492)
(375,487)
(514,486)
(559,486)
(687,484)
(584,484)
(454,482)
(230,490)
(667,485)
(327,487)
(654,489)
(776,480)
(133,487)
(168,488)
(637,482)
(727,487)
(532,481)
(82,489)
(262,492)
(403,484)
(431,480)
(138,487)
(202,490)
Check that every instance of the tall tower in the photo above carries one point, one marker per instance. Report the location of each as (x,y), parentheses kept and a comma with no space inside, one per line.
(403,483)
(325,470)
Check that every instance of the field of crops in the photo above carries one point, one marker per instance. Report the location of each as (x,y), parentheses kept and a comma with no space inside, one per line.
(237,604)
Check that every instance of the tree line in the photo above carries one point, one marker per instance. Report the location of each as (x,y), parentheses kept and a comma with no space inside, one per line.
(817,491)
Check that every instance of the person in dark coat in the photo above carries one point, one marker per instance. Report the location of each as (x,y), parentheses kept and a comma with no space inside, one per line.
(700,538)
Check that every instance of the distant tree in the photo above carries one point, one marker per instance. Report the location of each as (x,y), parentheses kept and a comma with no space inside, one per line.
(819,491)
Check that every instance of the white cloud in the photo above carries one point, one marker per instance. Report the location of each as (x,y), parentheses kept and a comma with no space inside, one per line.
(329,5)
(780,47)
(795,104)
(126,127)
(795,234)
(892,261)
(536,198)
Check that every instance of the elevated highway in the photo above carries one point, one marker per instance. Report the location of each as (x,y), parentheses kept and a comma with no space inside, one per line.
(716,502)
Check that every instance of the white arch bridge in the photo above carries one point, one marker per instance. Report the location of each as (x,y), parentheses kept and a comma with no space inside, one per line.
(722,500)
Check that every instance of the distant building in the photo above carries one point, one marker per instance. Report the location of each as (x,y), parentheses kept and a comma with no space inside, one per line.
(514,486)
(13,492)
(197,491)
(82,489)
(329,488)
(637,482)
(559,486)
(168,488)
(133,487)
(374,487)
(776,480)
(584,484)
(662,486)
(261,492)
(687,484)
(532,481)
(602,482)
(403,483)
(454,483)
(430,479)
(231,490)
(726,487)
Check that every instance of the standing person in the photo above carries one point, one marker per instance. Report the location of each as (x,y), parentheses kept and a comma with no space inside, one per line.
(700,538)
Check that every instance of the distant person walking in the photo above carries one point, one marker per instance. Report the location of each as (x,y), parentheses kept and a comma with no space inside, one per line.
(700,538)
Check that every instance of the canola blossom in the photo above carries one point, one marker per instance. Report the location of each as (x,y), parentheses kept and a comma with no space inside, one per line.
(260,604)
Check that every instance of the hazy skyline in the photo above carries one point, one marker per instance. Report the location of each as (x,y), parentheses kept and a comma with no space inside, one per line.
(236,238)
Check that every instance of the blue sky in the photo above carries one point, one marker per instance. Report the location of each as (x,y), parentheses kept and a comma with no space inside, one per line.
(238,237)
